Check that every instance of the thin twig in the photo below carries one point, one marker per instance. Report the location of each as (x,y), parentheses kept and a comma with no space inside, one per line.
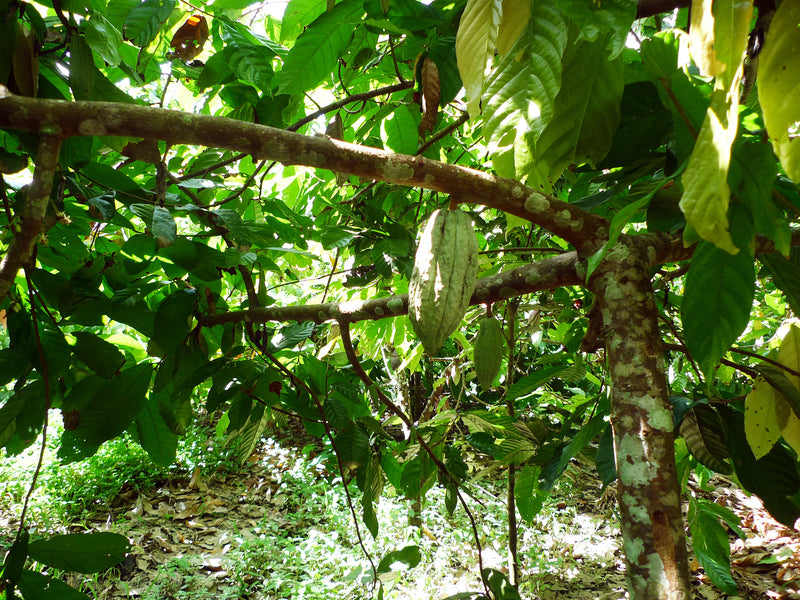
(45,373)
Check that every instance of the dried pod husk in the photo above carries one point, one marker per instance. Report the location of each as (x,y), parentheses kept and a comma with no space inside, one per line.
(445,268)
(488,350)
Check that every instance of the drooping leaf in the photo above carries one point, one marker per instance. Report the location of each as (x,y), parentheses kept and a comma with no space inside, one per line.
(760,422)
(718,42)
(114,406)
(400,560)
(314,55)
(529,498)
(520,95)
(155,436)
(81,552)
(172,319)
(474,45)
(716,304)
(786,276)
(163,227)
(586,114)
(705,437)
(399,132)
(100,356)
(41,587)
(104,38)
(779,86)
(144,21)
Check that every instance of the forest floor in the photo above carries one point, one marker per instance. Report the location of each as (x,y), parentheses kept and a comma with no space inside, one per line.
(277,529)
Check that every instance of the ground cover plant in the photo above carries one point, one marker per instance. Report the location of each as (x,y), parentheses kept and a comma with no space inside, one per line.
(219,210)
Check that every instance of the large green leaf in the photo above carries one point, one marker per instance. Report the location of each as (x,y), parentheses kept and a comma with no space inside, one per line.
(779,86)
(400,560)
(36,586)
(529,498)
(315,53)
(298,15)
(100,356)
(786,276)
(399,131)
(474,46)
(145,19)
(155,436)
(519,99)
(716,303)
(751,177)
(80,552)
(114,405)
(586,115)
(172,320)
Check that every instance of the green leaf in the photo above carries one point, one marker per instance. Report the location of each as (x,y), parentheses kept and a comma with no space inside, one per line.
(172,322)
(779,86)
(773,478)
(81,552)
(786,276)
(751,177)
(163,227)
(100,356)
(14,561)
(498,583)
(474,46)
(115,405)
(716,304)
(705,437)
(35,586)
(104,39)
(596,19)
(586,115)
(399,131)
(533,381)
(661,53)
(13,365)
(519,100)
(81,69)
(155,436)
(529,498)
(407,557)
(298,15)
(145,19)
(352,445)
(315,53)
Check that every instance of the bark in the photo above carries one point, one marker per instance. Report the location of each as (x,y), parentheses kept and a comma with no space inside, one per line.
(28,224)
(641,419)
(68,119)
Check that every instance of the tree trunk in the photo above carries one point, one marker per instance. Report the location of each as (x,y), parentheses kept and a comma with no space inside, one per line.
(626,319)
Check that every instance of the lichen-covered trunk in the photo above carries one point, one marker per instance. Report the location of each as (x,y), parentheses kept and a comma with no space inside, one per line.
(641,419)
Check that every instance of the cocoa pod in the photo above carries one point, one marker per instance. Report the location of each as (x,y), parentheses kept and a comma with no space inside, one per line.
(488,350)
(443,279)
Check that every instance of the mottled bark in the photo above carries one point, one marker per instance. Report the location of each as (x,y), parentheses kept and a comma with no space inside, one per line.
(27,225)
(641,418)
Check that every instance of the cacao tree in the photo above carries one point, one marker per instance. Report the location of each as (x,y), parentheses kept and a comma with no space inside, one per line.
(205,207)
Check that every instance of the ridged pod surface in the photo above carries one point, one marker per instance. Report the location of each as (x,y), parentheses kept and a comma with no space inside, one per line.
(488,350)
(443,280)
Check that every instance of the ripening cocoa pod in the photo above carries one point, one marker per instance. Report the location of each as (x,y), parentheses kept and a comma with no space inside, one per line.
(488,350)
(443,280)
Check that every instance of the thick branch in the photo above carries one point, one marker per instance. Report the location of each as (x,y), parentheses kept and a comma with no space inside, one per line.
(67,119)
(545,274)
(29,224)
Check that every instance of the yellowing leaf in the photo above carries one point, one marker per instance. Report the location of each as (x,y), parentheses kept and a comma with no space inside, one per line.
(789,353)
(779,86)
(513,21)
(760,421)
(788,422)
(474,44)
(701,40)
(718,35)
